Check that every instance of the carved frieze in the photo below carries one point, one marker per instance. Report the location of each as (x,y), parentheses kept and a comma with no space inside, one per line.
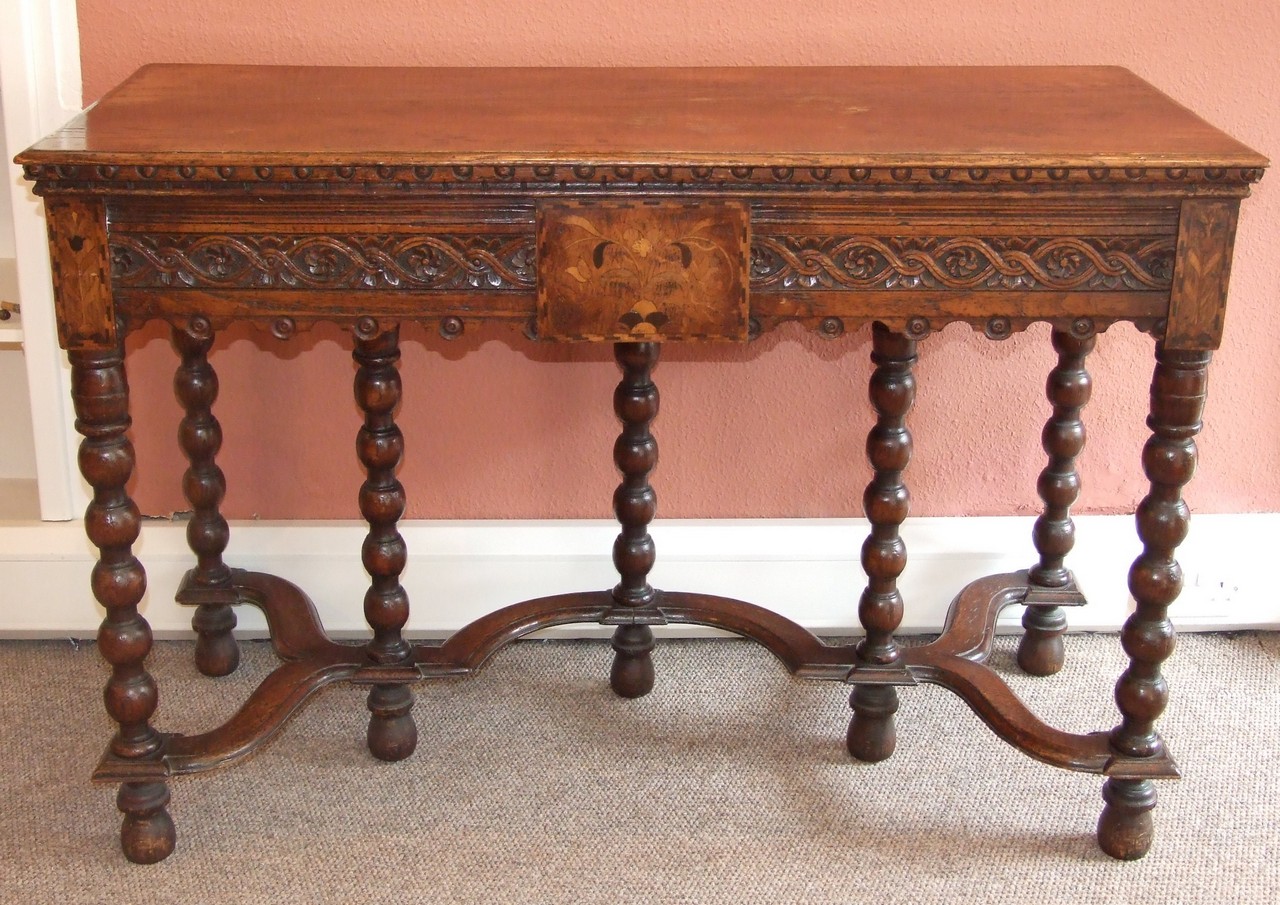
(441,262)
(509,262)
(961,262)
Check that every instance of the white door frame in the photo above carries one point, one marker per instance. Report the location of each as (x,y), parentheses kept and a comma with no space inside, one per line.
(40,80)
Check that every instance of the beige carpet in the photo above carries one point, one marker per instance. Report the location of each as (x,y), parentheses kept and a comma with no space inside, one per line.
(532,783)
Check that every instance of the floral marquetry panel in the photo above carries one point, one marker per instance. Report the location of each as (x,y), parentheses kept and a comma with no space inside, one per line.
(642,270)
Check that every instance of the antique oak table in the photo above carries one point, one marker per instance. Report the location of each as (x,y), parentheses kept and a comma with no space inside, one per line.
(637,207)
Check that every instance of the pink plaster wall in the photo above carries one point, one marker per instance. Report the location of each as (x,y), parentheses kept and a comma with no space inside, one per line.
(772,429)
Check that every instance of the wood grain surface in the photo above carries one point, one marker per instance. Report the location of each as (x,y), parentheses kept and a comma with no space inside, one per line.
(1035,116)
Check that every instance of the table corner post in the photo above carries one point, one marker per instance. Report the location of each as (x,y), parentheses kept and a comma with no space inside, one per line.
(1178,389)
(100,394)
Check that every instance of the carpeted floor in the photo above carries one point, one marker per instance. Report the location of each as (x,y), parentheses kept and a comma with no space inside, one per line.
(533,783)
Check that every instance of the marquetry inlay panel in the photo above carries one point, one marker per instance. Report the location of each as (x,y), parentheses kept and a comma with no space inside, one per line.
(642,271)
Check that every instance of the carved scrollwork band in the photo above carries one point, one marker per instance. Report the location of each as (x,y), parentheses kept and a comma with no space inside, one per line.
(509,262)
(871,262)
(323,262)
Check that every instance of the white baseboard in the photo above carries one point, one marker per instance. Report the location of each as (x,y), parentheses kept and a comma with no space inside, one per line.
(805,569)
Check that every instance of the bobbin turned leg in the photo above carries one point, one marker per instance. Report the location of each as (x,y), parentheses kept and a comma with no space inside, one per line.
(392,734)
(1041,651)
(200,436)
(634,502)
(872,735)
(1178,390)
(101,397)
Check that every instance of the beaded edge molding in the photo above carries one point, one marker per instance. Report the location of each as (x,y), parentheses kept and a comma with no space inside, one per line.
(653,174)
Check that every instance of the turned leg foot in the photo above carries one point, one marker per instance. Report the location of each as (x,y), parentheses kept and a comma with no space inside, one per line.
(1178,389)
(1126,828)
(1041,651)
(392,734)
(635,401)
(217,653)
(632,673)
(147,834)
(200,436)
(100,393)
(872,734)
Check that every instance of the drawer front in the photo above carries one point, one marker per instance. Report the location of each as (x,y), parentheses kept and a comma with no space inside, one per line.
(642,270)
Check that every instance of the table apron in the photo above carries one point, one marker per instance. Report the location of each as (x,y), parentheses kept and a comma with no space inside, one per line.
(917,313)
(914,264)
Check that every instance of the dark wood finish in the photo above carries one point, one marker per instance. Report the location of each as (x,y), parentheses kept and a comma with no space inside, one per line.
(635,453)
(1041,651)
(954,661)
(392,734)
(425,261)
(908,263)
(100,394)
(200,437)
(904,198)
(1169,459)
(872,735)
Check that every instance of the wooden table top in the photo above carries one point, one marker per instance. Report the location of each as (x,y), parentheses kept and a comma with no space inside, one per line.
(821,116)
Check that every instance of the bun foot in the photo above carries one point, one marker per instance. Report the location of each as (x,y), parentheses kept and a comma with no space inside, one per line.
(147,834)
(1041,651)
(632,673)
(217,653)
(1126,828)
(392,734)
(872,734)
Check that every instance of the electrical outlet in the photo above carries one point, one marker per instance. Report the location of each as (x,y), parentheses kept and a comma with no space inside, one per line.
(1208,595)
(1216,587)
